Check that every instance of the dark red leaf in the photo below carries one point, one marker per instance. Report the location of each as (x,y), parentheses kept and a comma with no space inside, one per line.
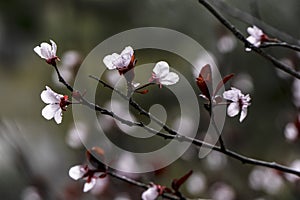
(176,183)
(204,81)
(222,82)
(142,91)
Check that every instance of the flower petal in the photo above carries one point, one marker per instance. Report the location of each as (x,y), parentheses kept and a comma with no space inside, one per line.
(232,95)
(128,50)
(251,40)
(150,194)
(233,109)
(161,69)
(50,110)
(50,97)
(37,50)
(122,61)
(170,79)
(77,172)
(243,113)
(58,116)
(89,185)
(109,59)
(54,48)
(46,50)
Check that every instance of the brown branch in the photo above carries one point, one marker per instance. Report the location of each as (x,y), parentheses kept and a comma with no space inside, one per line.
(142,185)
(284,67)
(182,138)
(247,18)
(280,44)
(199,143)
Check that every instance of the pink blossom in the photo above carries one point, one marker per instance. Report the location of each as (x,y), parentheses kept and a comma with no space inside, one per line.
(83,172)
(56,104)
(119,61)
(162,75)
(239,103)
(151,193)
(47,51)
(256,36)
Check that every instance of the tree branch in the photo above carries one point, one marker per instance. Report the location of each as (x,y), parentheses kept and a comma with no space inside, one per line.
(245,17)
(181,138)
(280,44)
(286,68)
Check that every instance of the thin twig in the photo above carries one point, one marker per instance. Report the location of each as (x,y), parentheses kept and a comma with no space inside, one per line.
(284,67)
(280,44)
(222,144)
(142,185)
(136,106)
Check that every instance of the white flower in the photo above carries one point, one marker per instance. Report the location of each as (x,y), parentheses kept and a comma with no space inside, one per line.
(77,172)
(240,102)
(162,75)
(56,104)
(89,184)
(47,51)
(151,193)
(119,61)
(83,172)
(255,37)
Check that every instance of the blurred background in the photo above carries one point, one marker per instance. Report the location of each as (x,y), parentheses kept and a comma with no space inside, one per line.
(36,154)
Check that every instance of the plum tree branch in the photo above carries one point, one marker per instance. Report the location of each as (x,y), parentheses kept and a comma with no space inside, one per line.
(284,67)
(199,143)
(172,135)
(245,17)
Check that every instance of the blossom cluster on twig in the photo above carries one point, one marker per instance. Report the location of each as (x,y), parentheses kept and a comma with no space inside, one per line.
(125,63)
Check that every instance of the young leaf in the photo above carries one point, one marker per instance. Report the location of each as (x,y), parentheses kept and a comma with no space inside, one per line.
(222,82)
(204,81)
(176,183)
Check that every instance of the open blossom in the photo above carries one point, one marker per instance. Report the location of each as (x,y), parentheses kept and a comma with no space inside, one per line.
(83,172)
(162,75)
(256,36)
(120,61)
(151,193)
(56,104)
(239,103)
(47,51)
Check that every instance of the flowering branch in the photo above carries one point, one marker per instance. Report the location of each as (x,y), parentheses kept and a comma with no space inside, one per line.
(143,185)
(239,103)
(245,17)
(240,36)
(172,134)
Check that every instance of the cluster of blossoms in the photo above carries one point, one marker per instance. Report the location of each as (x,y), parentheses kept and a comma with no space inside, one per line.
(238,102)
(161,75)
(125,63)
